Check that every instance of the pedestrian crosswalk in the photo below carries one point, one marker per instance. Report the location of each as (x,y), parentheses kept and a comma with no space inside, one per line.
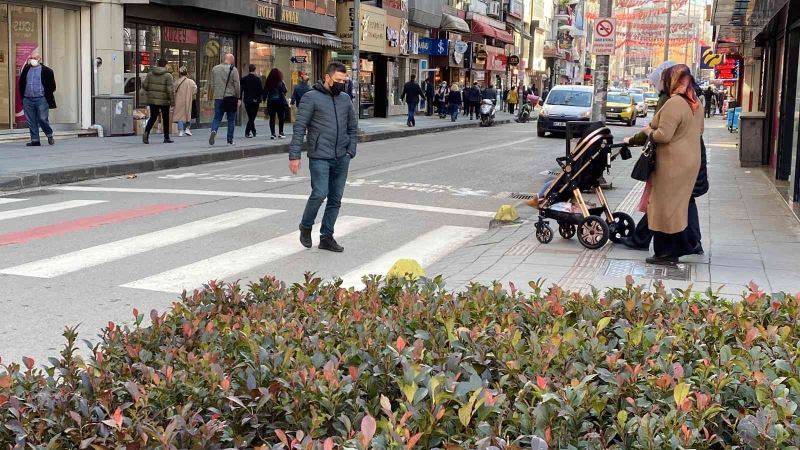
(238,257)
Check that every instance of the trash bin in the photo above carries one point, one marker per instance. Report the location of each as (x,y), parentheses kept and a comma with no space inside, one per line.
(751,132)
(114,113)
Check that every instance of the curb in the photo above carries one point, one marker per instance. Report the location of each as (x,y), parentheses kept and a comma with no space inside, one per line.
(72,174)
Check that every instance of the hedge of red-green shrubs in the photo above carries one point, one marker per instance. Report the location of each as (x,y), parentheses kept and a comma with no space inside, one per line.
(411,365)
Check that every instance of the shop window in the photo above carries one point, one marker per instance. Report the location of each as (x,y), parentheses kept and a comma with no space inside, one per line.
(212,49)
(63,31)
(5,86)
(149,51)
(26,37)
(129,60)
(290,61)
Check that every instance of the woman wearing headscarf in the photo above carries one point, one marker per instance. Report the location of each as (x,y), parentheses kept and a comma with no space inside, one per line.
(676,129)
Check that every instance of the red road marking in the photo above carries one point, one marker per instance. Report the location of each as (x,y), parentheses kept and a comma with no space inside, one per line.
(33,234)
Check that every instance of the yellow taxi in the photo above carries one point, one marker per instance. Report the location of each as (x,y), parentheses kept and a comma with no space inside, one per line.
(621,107)
(651,98)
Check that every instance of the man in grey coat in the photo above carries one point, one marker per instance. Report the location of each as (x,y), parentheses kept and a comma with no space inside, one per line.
(327,114)
(225,83)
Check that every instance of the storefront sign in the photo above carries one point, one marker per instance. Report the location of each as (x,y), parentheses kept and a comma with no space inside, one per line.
(433,47)
(289,16)
(413,43)
(392,35)
(727,70)
(299,59)
(461,47)
(400,5)
(495,59)
(481,56)
(267,12)
(404,36)
(513,60)
(180,35)
(372,23)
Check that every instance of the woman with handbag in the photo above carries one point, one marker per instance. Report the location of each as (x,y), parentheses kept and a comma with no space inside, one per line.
(676,129)
(275,94)
(185,90)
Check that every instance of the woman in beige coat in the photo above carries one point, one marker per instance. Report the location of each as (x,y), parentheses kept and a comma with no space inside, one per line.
(676,129)
(185,89)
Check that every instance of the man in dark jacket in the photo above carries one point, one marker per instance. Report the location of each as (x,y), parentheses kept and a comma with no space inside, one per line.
(490,93)
(472,99)
(36,86)
(327,113)
(159,86)
(709,96)
(429,93)
(252,91)
(411,95)
(300,89)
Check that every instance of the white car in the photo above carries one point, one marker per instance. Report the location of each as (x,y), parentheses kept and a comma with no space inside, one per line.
(641,105)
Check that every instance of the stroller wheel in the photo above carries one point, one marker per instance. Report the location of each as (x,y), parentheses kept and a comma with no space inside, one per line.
(593,232)
(544,233)
(622,227)
(566,230)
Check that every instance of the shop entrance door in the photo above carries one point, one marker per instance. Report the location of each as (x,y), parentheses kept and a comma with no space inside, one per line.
(177,58)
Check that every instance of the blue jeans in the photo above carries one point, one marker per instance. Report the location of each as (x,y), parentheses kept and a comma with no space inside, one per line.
(454,111)
(182,125)
(37,113)
(412,108)
(231,116)
(328,177)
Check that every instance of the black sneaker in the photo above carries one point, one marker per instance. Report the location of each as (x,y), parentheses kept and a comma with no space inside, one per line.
(50,140)
(145,138)
(33,144)
(305,237)
(168,141)
(663,260)
(212,137)
(329,243)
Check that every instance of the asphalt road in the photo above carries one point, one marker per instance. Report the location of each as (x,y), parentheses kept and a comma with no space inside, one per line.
(90,252)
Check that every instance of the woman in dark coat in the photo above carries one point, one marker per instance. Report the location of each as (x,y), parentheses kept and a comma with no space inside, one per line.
(275,95)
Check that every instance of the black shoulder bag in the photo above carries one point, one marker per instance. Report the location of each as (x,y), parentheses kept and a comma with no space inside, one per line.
(229,103)
(646,163)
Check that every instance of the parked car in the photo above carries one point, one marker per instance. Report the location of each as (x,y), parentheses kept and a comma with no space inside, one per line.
(565,103)
(621,107)
(651,98)
(641,105)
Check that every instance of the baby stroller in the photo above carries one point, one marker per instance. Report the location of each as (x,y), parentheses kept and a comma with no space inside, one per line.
(581,170)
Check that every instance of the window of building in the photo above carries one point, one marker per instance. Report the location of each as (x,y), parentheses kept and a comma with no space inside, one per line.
(26,37)
(289,60)
(63,48)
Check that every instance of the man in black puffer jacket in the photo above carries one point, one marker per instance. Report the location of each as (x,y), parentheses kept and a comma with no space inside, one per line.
(327,113)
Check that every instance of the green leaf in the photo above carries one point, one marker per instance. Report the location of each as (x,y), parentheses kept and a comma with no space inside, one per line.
(680,393)
(409,390)
(622,417)
(601,324)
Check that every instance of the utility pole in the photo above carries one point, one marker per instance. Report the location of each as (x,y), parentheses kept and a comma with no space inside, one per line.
(600,73)
(356,64)
(669,30)
(686,49)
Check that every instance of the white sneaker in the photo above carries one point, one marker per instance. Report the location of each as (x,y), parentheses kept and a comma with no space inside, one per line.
(181,134)
(281,136)
(188,132)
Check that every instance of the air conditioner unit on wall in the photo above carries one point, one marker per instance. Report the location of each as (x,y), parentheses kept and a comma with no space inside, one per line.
(494,9)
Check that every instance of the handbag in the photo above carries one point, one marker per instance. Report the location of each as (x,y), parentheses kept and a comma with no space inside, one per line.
(229,103)
(646,163)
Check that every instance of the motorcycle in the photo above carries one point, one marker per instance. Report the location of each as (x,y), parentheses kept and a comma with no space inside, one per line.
(487,111)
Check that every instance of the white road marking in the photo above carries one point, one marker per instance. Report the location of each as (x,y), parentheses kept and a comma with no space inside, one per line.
(43,209)
(351,201)
(235,262)
(4,200)
(104,253)
(372,173)
(426,250)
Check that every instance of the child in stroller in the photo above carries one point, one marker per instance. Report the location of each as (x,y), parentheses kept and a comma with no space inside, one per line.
(581,169)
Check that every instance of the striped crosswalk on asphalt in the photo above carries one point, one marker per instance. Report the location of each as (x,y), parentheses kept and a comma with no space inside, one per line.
(43,209)
(239,261)
(112,251)
(4,200)
(425,249)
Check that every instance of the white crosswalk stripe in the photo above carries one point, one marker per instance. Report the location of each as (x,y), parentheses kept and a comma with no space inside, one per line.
(239,261)
(426,250)
(43,209)
(4,201)
(112,251)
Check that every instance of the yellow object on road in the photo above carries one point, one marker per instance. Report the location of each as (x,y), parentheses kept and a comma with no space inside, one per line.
(408,268)
(506,213)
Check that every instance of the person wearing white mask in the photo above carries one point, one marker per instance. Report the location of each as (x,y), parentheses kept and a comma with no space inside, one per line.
(37,84)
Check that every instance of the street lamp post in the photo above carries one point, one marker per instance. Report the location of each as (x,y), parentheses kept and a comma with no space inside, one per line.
(356,63)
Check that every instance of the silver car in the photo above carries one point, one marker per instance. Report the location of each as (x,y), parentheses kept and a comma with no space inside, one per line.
(641,105)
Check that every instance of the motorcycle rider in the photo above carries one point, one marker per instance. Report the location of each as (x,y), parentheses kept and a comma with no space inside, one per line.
(490,93)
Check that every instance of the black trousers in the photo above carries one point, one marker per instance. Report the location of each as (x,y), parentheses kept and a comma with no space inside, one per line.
(511,107)
(429,106)
(642,235)
(472,108)
(252,112)
(671,245)
(276,109)
(155,110)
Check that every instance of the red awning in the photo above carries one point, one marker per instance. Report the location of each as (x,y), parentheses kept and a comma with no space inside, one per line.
(492,32)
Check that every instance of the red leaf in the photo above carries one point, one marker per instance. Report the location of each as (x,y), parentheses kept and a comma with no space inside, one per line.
(353,372)
(29,362)
(677,370)
(99,356)
(541,382)
(629,280)
(169,373)
(548,433)
(368,427)
(282,436)
(5,381)
(135,313)
(400,344)
(118,417)
(328,444)
(3,400)
(413,440)
(226,384)
(111,326)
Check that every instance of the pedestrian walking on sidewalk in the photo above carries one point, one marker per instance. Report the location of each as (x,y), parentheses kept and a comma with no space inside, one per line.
(454,100)
(252,93)
(300,90)
(275,95)
(225,85)
(37,83)
(185,90)
(327,115)
(160,89)
(472,99)
(512,99)
(441,99)
(412,92)
(429,93)
(677,129)
(708,94)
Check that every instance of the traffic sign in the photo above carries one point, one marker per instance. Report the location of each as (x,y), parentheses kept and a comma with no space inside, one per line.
(513,60)
(605,36)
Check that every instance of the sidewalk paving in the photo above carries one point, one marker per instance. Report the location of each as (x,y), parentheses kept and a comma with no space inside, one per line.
(749,234)
(80,159)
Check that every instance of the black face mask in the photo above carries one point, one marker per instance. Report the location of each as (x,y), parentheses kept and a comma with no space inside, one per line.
(338,87)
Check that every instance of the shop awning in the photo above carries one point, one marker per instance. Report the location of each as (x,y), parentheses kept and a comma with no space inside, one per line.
(293,37)
(454,23)
(492,32)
